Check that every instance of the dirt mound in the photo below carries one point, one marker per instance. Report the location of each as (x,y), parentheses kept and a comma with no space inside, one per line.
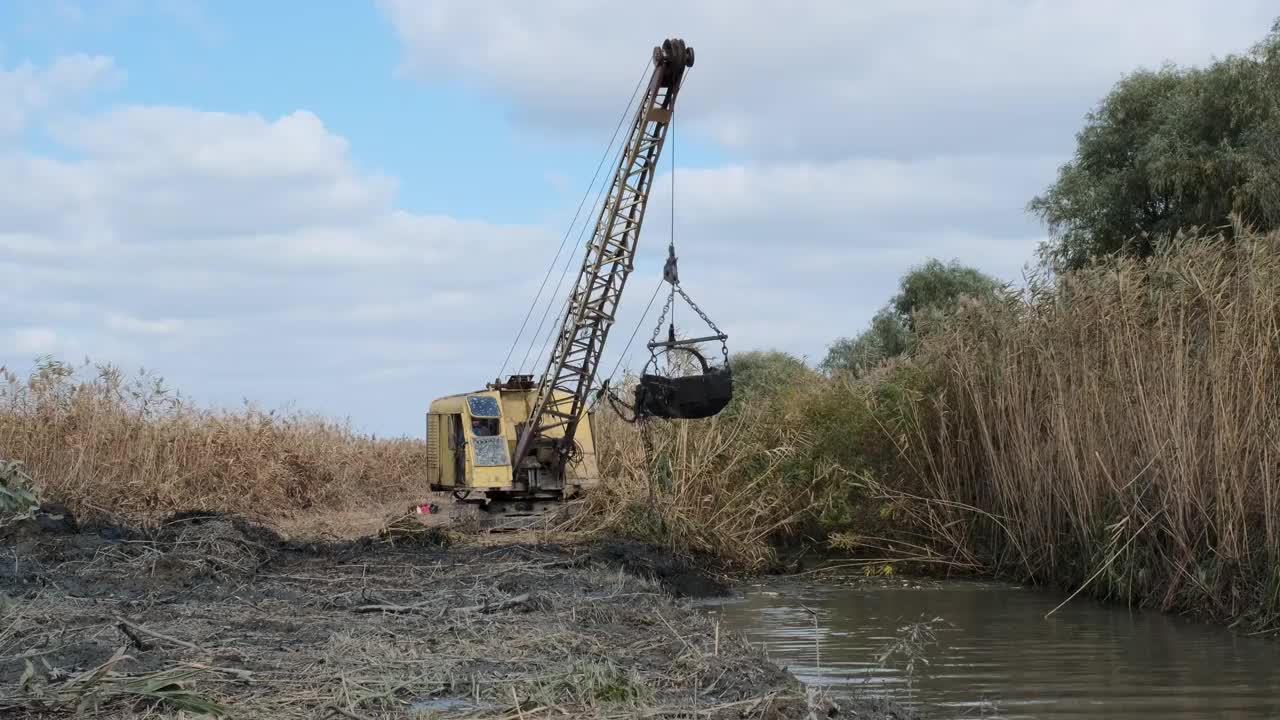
(217,544)
(185,553)
(676,575)
(266,627)
(196,549)
(49,518)
(408,532)
(257,533)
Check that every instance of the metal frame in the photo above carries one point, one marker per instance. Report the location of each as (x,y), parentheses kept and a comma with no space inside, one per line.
(609,259)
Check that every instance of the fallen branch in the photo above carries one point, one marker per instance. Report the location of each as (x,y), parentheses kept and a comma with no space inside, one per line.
(426,609)
(346,713)
(126,625)
(391,609)
(495,607)
(137,641)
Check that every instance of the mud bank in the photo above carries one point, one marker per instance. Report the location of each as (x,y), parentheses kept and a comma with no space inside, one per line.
(212,615)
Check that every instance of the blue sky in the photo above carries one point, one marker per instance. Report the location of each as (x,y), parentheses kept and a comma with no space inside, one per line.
(346,207)
(448,142)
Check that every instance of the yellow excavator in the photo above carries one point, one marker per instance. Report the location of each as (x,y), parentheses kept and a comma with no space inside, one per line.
(523,446)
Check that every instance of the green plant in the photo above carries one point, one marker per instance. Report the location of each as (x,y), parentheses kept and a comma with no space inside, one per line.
(911,645)
(17,492)
(927,294)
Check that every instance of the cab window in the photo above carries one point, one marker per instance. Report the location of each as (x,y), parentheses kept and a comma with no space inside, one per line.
(486,415)
(484,427)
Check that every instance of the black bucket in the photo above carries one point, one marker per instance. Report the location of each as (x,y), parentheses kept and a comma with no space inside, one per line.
(684,398)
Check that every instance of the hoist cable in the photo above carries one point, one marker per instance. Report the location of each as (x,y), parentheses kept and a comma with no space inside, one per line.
(645,315)
(546,339)
(564,304)
(639,323)
(569,231)
(671,244)
(533,339)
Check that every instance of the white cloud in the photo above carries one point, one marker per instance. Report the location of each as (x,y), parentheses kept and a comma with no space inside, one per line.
(34,340)
(251,256)
(863,137)
(817,77)
(148,167)
(865,192)
(136,326)
(28,91)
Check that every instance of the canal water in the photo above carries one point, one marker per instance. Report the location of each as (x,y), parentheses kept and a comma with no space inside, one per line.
(973,650)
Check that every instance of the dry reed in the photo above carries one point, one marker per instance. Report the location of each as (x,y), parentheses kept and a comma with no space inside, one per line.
(98,440)
(724,487)
(1118,428)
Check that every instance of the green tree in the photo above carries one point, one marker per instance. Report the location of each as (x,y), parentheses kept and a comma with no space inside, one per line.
(766,376)
(938,286)
(1169,150)
(886,337)
(928,289)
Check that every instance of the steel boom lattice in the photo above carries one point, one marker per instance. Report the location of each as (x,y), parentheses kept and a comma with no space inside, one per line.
(610,256)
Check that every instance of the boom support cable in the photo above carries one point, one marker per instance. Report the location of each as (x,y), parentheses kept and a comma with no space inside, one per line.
(626,112)
(671,138)
(564,271)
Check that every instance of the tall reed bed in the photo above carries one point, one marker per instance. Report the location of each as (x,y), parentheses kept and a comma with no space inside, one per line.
(793,458)
(729,486)
(99,440)
(1117,429)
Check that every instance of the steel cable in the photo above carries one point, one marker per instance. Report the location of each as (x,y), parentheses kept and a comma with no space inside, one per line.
(569,231)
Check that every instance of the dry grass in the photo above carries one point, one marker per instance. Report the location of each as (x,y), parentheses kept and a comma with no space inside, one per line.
(723,486)
(129,447)
(1120,429)
(219,616)
(98,440)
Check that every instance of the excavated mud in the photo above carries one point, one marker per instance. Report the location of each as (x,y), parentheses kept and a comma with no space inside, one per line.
(208,614)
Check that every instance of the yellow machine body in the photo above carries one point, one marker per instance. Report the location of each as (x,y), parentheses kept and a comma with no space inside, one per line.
(471,438)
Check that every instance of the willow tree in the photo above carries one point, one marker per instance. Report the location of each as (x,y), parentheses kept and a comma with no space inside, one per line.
(1170,150)
(930,289)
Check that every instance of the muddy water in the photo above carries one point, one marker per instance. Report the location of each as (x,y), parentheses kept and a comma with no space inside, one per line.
(995,654)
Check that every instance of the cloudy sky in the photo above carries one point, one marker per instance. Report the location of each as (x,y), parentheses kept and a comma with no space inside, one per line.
(347,207)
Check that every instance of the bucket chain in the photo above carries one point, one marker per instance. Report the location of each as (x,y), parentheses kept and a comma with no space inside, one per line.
(663,317)
(666,308)
(724,349)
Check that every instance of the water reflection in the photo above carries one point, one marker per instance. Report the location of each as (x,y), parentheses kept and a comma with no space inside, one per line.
(996,655)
